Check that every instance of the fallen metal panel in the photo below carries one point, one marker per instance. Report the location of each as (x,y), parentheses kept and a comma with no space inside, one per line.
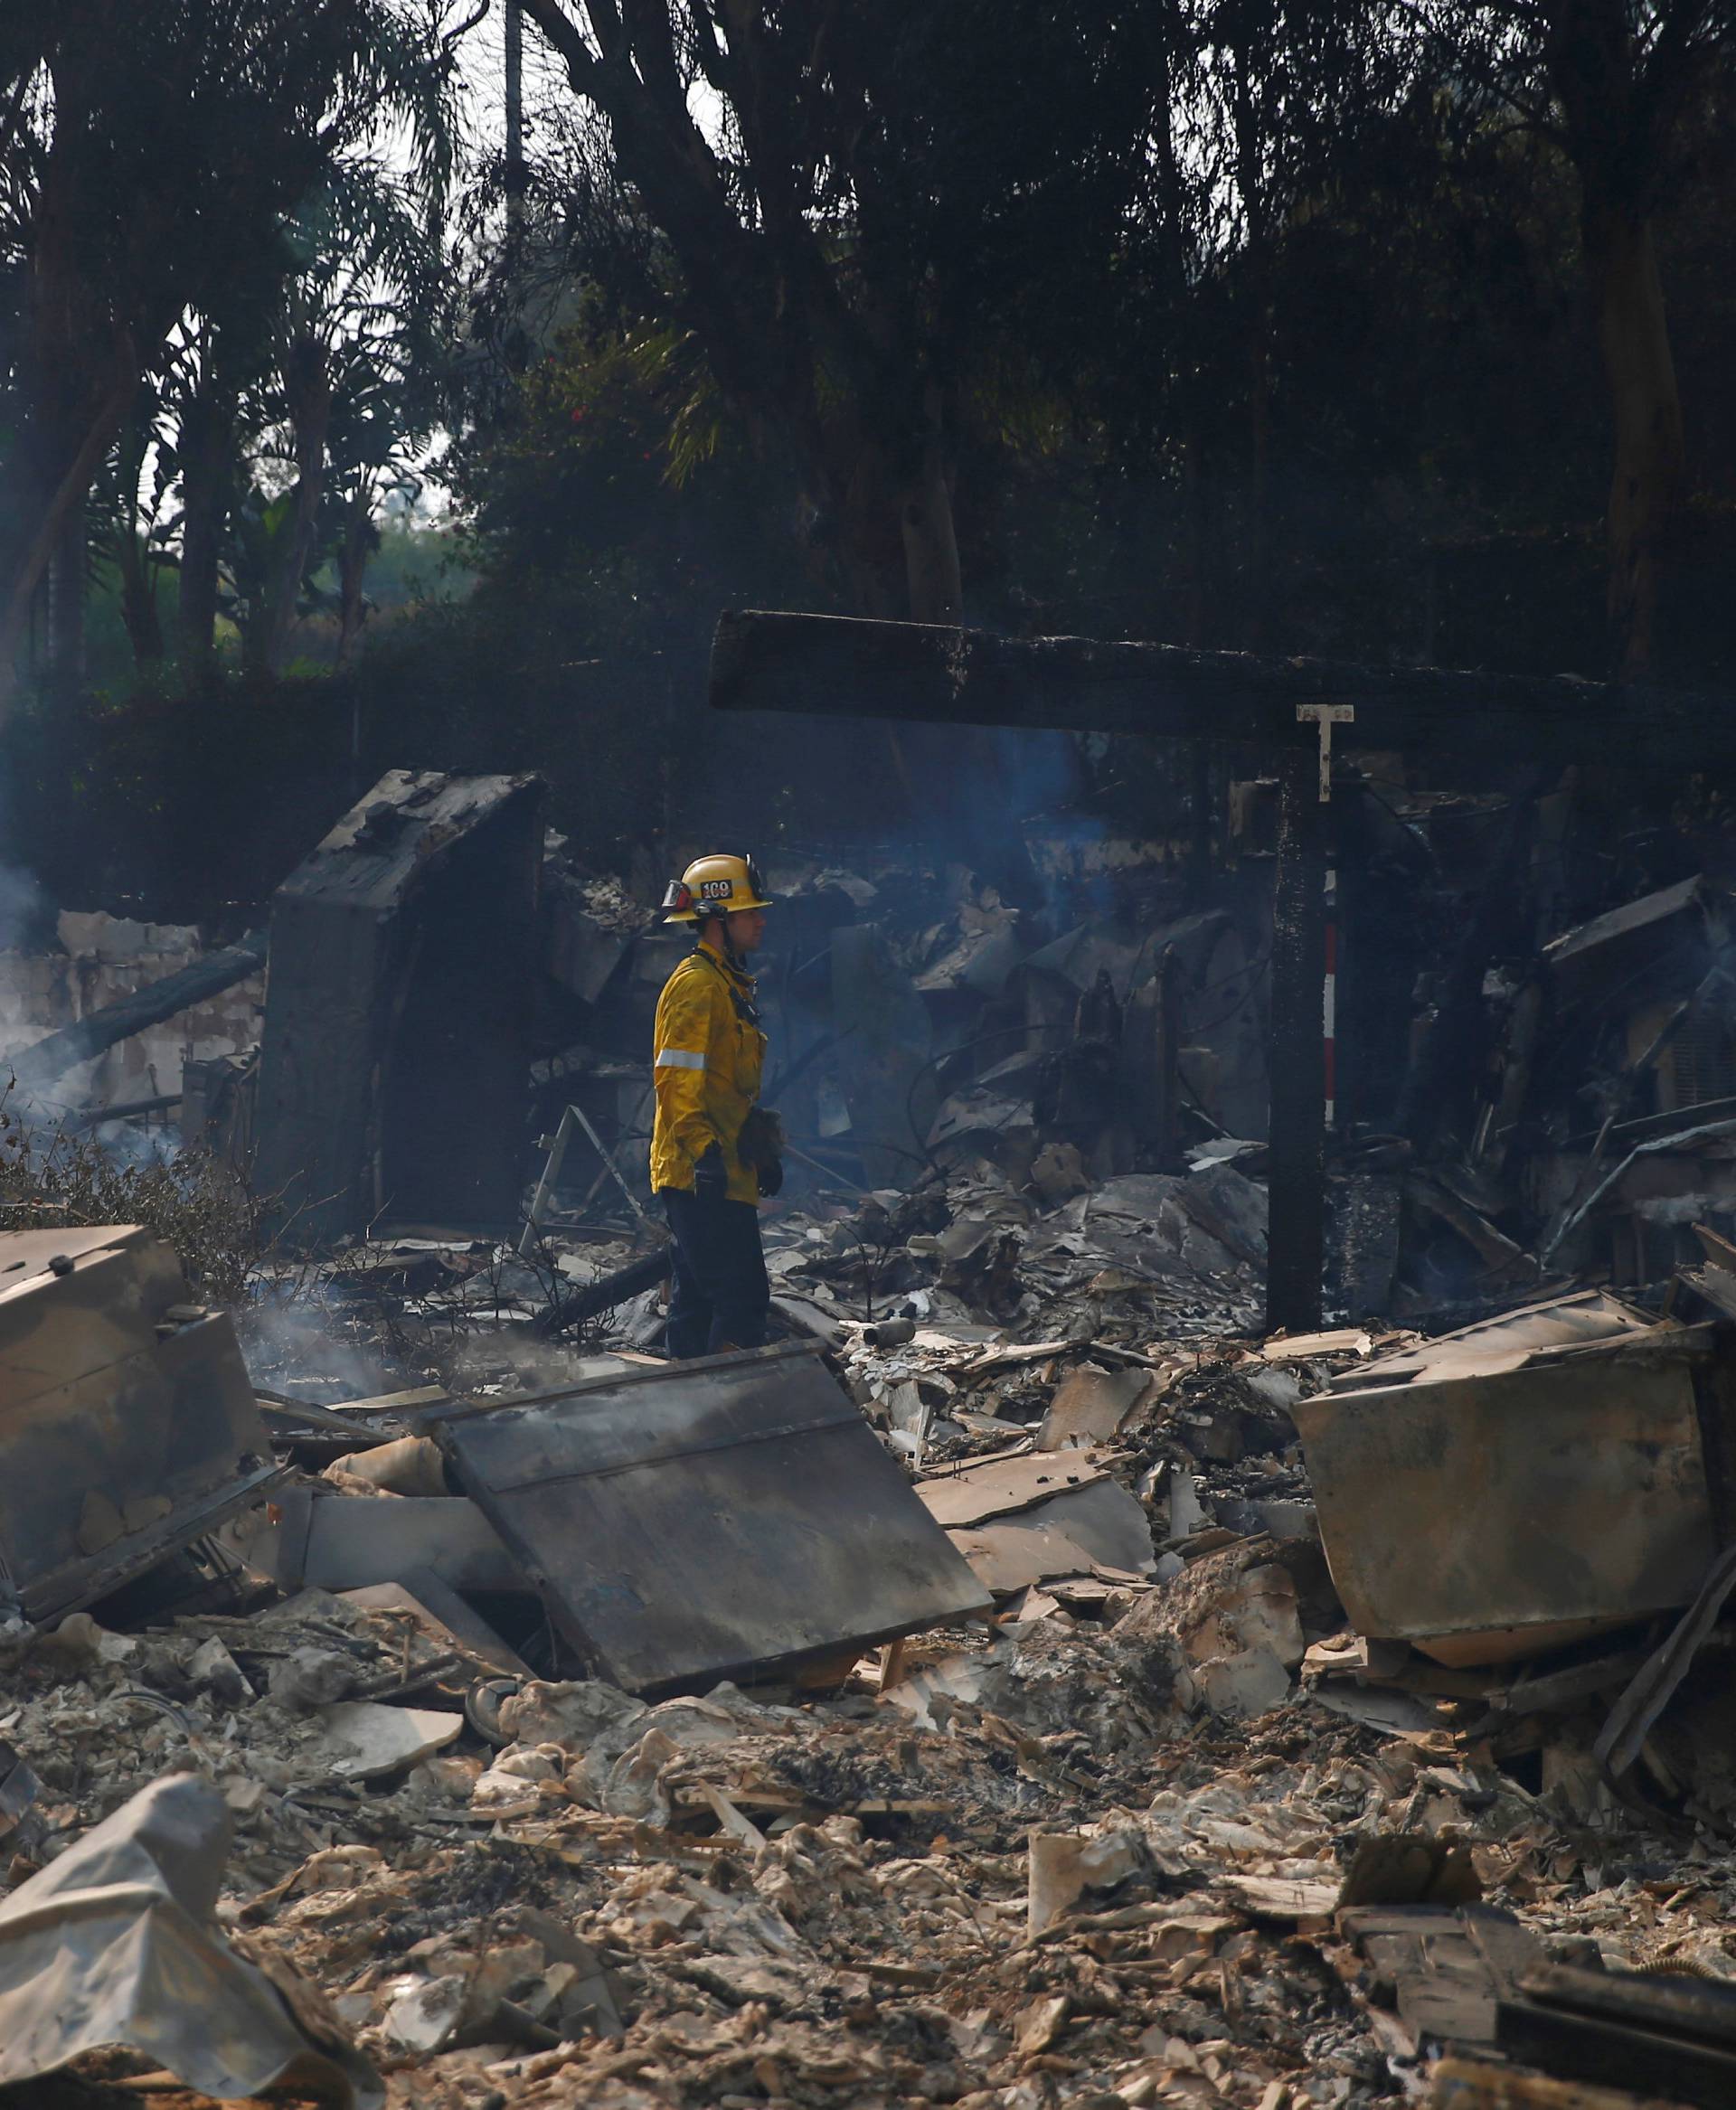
(1479,1517)
(330,1541)
(689,1522)
(1605,953)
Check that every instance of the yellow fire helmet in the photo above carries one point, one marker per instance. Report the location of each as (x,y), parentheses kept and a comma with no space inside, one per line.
(717,885)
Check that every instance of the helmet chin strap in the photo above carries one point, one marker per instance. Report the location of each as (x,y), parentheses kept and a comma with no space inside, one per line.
(725,936)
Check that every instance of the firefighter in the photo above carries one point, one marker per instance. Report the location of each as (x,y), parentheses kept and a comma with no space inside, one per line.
(715,1150)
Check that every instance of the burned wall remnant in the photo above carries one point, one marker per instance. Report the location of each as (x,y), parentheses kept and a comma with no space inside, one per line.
(399,1009)
(122,1008)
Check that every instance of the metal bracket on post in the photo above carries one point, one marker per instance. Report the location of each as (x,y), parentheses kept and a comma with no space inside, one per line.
(1323,717)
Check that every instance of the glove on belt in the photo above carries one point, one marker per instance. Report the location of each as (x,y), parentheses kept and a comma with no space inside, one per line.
(711,1175)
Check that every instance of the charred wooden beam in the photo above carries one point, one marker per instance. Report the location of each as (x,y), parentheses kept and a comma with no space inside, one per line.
(1296,1155)
(598,1298)
(840,666)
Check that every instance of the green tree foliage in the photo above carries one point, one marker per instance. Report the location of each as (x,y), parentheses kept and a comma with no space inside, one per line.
(344,400)
(1284,324)
(851,237)
(1621,90)
(155,147)
(1317,356)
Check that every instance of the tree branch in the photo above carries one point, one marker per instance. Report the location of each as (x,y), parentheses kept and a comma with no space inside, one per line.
(566,40)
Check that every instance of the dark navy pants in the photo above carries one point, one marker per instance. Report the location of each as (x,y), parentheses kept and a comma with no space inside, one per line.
(719,1295)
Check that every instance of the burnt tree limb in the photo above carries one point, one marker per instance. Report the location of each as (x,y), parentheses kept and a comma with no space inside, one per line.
(45,1059)
(839,666)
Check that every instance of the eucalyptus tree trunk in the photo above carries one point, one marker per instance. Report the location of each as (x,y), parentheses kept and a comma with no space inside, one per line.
(925,518)
(1646,484)
(1617,111)
(359,540)
(308,388)
(138,609)
(207,452)
(77,371)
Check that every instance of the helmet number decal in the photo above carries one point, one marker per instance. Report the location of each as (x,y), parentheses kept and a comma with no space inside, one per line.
(719,890)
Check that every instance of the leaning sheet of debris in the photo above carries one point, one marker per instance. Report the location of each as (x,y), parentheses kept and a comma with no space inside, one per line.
(1025,1683)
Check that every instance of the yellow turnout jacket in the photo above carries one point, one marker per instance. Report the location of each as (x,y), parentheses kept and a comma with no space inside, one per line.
(708,1053)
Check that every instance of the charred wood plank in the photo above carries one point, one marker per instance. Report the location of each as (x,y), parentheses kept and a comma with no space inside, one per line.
(840,666)
(1586,2046)
(598,1298)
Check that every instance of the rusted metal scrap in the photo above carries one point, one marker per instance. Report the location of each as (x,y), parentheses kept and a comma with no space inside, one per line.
(1487,1510)
(127,1426)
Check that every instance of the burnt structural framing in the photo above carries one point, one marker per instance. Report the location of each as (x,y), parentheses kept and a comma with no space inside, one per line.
(845,667)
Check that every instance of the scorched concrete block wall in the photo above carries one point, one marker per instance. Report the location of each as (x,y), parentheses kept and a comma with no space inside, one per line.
(107,957)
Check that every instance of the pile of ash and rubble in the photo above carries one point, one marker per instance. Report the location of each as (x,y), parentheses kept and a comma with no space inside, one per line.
(1028,1681)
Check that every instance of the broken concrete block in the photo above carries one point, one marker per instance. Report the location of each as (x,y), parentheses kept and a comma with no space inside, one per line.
(364,1741)
(1258,1610)
(1063,1865)
(212,1666)
(79,1637)
(311,1678)
(1251,1683)
(1035,2028)
(1235,1615)
(1235,1599)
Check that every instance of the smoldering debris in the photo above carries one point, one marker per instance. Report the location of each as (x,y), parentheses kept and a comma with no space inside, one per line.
(1189,1715)
(1162,1825)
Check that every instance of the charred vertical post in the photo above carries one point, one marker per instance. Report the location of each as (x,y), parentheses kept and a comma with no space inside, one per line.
(1296,1243)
